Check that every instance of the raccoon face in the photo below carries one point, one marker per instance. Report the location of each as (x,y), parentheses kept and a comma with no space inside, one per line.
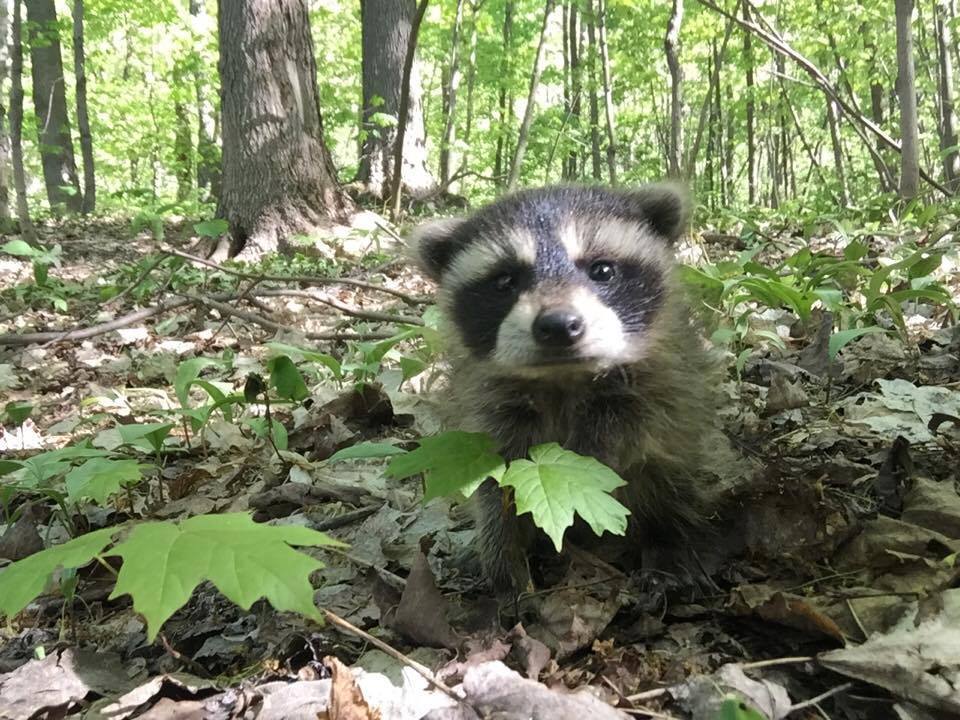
(564,278)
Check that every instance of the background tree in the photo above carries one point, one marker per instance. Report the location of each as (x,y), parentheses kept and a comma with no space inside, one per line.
(907,92)
(50,106)
(386,27)
(89,202)
(278,177)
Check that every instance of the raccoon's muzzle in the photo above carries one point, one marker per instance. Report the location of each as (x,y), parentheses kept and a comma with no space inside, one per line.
(558,328)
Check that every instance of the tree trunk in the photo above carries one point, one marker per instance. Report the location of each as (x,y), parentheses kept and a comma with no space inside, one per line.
(182,146)
(907,92)
(403,114)
(208,154)
(524,133)
(386,26)
(471,83)
(751,135)
(450,97)
(278,177)
(4,136)
(505,96)
(16,126)
(50,105)
(607,91)
(595,159)
(89,203)
(832,122)
(671,46)
(948,118)
(574,27)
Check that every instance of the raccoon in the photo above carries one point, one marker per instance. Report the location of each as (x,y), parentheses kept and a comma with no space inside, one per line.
(565,324)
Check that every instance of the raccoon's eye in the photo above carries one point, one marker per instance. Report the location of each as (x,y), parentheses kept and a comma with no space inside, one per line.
(504,283)
(602,271)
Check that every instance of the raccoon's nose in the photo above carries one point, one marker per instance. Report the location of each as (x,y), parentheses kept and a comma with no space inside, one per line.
(558,328)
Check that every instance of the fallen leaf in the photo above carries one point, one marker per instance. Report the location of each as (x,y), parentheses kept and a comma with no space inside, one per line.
(421,615)
(346,699)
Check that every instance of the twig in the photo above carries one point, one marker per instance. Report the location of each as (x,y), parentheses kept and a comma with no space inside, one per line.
(94,330)
(395,654)
(342,307)
(648,695)
(776,661)
(305,279)
(347,518)
(194,666)
(821,697)
(136,283)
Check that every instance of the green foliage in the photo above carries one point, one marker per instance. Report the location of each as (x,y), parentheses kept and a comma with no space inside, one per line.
(556,483)
(287,380)
(366,451)
(99,478)
(163,562)
(452,462)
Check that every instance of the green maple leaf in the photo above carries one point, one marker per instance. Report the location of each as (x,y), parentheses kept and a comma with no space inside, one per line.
(451,462)
(557,483)
(164,562)
(99,478)
(25,579)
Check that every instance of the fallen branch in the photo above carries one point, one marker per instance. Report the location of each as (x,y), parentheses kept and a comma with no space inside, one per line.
(303,279)
(342,307)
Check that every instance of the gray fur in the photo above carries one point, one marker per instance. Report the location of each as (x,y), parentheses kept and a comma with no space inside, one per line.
(648,419)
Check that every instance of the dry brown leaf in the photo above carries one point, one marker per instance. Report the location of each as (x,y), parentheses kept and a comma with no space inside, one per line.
(346,699)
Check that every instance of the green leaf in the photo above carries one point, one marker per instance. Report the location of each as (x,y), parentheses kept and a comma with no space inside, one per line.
(163,563)
(147,436)
(556,483)
(17,412)
(366,450)
(211,228)
(187,373)
(19,248)
(299,354)
(285,377)
(452,462)
(26,579)
(99,478)
(733,708)
(841,338)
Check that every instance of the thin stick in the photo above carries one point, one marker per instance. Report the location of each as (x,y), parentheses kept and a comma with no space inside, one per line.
(342,307)
(821,697)
(395,654)
(136,283)
(776,661)
(293,279)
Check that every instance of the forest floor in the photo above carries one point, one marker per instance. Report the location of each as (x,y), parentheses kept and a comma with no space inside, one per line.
(833,589)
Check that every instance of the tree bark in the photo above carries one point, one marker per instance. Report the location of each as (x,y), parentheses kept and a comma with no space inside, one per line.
(523,135)
(833,123)
(403,114)
(450,97)
(751,134)
(16,126)
(89,203)
(596,161)
(948,117)
(4,135)
(671,46)
(278,177)
(505,96)
(907,92)
(475,6)
(50,105)
(386,27)
(208,154)
(574,60)
(607,91)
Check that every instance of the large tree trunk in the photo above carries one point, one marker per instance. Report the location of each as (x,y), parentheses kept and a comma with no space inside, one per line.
(907,92)
(523,135)
(595,161)
(671,46)
(386,26)
(948,118)
(751,134)
(278,177)
(50,105)
(208,154)
(573,53)
(89,203)
(16,126)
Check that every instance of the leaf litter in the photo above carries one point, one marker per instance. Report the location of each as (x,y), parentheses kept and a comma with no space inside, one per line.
(835,578)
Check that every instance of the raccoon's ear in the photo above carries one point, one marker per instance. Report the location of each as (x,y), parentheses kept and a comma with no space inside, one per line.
(665,206)
(434,244)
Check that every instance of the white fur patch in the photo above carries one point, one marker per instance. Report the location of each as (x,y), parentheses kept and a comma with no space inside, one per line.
(515,343)
(615,239)
(603,339)
(481,256)
(572,241)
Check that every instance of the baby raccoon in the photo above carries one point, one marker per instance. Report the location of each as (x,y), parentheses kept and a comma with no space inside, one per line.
(567,326)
